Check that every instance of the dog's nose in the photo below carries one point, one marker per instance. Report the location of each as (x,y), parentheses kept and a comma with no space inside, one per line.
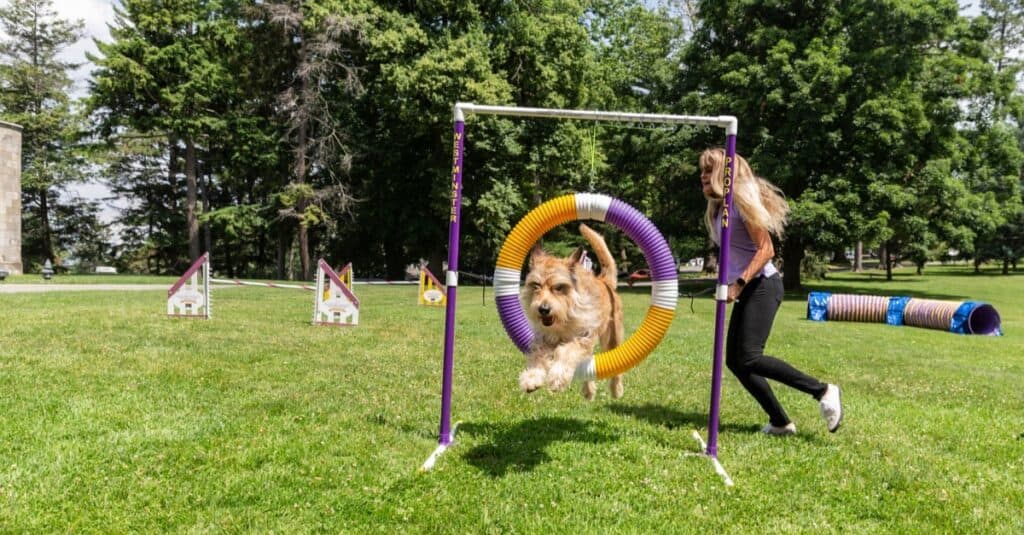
(544,310)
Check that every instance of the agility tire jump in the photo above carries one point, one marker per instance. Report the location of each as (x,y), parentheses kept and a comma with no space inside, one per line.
(588,206)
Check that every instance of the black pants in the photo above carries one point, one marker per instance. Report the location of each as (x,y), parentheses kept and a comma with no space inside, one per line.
(749,327)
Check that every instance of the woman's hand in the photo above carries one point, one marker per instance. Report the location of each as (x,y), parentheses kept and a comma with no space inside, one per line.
(734,292)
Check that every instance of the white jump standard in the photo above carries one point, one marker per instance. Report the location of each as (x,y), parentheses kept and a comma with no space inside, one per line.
(189,296)
(333,301)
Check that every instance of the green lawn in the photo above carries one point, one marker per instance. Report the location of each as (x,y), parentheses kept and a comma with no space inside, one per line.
(88,278)
(114,418)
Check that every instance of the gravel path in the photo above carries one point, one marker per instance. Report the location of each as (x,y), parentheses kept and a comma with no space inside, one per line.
(35,288)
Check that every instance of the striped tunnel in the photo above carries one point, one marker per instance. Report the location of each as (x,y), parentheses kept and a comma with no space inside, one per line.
(962,317)
(929,313)
(588,206)
(866,308)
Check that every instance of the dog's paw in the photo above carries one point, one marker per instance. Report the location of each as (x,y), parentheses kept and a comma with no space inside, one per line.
(616,387)
(589,390)
(559,377)
(531,379)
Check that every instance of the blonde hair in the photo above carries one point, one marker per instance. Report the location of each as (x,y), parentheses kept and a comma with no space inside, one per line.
(760,202)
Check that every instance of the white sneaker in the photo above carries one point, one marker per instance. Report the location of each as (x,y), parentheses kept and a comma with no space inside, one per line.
(832,407)
(788,429)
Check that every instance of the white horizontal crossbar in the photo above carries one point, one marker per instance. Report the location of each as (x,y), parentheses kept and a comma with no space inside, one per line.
(724,121)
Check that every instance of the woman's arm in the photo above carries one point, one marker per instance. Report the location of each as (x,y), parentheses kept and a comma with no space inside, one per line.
(765,252)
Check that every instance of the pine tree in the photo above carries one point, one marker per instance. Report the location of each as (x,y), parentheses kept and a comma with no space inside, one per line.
(34,85)
(162,75)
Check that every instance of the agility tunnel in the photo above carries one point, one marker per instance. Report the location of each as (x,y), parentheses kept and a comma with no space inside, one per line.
(961,317)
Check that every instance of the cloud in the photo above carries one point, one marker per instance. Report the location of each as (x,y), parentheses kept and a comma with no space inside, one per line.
(96,14)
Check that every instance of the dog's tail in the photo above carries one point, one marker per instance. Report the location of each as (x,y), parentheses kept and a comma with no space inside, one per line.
(604,256)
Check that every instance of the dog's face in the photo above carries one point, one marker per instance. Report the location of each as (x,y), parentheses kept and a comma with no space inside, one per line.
(549,296)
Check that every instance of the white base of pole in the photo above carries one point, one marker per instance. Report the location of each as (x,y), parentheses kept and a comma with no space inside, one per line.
(440,449)
(719,469)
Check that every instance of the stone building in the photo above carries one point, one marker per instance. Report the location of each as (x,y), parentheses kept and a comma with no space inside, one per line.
(10,198)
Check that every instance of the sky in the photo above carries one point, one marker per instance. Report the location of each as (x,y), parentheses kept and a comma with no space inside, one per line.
(96,14)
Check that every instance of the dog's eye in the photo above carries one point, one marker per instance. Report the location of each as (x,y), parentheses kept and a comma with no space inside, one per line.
(562,288)
(533,286)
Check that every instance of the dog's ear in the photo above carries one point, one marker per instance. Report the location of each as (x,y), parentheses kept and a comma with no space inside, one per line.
(535,254)
(577,255)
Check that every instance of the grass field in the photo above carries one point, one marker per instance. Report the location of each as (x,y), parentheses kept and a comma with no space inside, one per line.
(114,418)
(35,278)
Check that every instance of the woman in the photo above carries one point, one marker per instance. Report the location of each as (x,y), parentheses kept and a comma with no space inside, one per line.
(755,286)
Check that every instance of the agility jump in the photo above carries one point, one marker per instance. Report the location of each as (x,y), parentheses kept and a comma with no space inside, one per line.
(431,292)
(334,302)
(461,110)
(189,296)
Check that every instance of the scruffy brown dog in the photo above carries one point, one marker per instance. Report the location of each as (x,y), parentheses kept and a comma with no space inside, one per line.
(570,309)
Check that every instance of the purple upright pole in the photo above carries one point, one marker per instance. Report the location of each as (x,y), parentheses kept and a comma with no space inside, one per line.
(451,280)
(723,281)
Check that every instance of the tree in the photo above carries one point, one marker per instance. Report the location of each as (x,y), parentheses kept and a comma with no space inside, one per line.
(420,59)
(34,87)
(320,37)
(424,57)
(161,74)
(152,237)
(996,134)
(826,94)
(83,239)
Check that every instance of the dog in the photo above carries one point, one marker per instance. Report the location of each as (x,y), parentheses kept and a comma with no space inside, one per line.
(571,310)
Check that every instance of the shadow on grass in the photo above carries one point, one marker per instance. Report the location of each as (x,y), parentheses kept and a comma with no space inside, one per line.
(523,447)
(947,271)
(881,288)
(672,419)
(690,291)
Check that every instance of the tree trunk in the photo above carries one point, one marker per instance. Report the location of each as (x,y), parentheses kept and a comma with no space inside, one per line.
(888,263)
(977,265)
(207,240)
(191,194)
(229,261)
(839,257)
(710,266)
(172,168)
(291,262)
(44,220)
(261,252)
(149,233)
(1006,266)
(858,257)
(394,258)
(302,233)
(284,243)
(792,256)
(304,252)
(435,263)
(301,150)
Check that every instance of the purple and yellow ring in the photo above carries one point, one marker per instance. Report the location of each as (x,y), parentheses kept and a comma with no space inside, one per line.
(589,206)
